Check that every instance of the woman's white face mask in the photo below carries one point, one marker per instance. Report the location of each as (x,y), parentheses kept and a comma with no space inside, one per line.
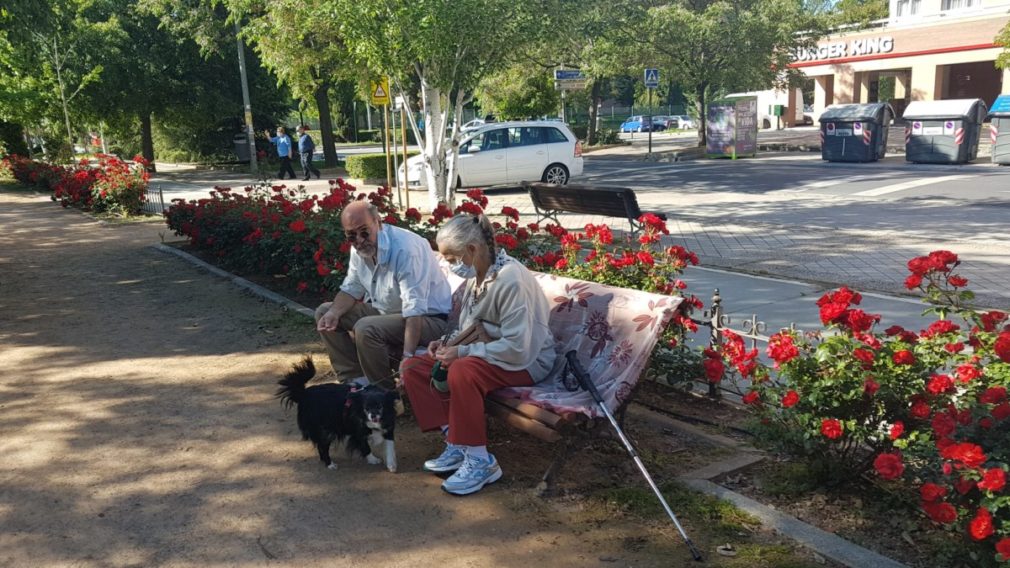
(463,270)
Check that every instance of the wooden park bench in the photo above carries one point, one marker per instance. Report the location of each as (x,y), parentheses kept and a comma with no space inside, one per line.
(613,330)
(549,200)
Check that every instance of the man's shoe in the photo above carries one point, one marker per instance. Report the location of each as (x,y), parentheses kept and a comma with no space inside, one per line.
(305,179)
(473,475)
(450,460)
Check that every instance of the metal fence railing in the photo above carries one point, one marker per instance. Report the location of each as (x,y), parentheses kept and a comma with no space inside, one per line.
(154,201)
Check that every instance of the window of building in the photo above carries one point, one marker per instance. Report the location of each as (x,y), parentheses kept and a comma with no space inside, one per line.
(946,5)
(905,8)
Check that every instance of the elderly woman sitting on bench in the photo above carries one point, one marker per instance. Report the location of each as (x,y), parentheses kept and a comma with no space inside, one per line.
(502,340)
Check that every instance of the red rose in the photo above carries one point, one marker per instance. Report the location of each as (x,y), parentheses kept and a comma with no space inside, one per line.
(322,269)
(889,466)
(1003,548)
(1002,346)
(939,384)
(870,386)
(913,281)
(943,513)
(904,357)
(297,226)
(752,398)
(645,258)
(832,312)
(781,348)
(561,264)
(943,425)
(864,356)
(980,528)
(971,455)
(940,327)
(967,372)
(991,319)
(954,348)
(993,480)
(714,369)
(1001,411)
(920,409)
(957,281)
(302,286)
(790,399)
(897,429)
(993,395)
(932,492)
(831,428)
(964,485)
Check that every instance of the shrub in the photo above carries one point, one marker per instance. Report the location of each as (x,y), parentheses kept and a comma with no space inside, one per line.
(114,186)
(929,406)
(368,166)
(607,137)
(373,135)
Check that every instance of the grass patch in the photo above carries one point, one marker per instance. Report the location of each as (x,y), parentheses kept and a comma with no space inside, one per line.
(789,479)
(721,519)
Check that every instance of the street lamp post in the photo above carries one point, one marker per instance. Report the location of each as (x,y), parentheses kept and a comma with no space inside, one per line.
(249,134)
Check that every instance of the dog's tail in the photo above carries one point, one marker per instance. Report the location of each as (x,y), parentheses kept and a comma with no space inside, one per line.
(292,388)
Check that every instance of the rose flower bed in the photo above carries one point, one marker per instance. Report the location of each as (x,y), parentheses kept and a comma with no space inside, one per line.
(114,186)
(924,412)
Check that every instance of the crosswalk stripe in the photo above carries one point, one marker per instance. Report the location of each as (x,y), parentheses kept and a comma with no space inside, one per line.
(820,184)
(907,185)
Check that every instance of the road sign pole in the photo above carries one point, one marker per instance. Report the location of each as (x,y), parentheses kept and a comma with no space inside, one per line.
(386,138)
(650,123)
(403,119)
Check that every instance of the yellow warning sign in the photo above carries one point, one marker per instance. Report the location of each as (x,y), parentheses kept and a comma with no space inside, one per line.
(380,92)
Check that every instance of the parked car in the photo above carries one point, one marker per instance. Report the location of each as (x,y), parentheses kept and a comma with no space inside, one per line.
(635,124)
(685,122)
(666,122)
(808,115)
(510,153)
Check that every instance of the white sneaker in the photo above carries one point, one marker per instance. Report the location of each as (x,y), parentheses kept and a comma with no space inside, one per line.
(450,460)
(473,475)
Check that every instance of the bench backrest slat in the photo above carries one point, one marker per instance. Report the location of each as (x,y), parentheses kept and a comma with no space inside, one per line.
(586,200)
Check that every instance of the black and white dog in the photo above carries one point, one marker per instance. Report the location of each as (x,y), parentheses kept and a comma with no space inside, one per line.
(335,412)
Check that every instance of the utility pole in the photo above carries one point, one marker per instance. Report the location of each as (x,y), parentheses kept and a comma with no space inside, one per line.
(249,134)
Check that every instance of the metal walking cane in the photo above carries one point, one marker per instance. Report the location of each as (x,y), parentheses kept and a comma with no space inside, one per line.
(583,377)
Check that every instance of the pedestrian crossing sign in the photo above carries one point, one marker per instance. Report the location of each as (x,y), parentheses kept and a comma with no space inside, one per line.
(379,91)
(651,78)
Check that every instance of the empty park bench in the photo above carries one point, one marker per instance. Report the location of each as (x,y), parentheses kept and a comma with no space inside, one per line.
(549,200)
(613,330)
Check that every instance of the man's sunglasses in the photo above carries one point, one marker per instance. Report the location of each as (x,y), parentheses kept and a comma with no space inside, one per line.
(353,235)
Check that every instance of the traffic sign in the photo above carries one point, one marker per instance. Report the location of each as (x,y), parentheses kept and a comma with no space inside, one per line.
(651,78)
(379,91)
(569,79)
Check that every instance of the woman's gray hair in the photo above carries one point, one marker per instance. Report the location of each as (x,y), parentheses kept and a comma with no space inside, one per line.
(462,230)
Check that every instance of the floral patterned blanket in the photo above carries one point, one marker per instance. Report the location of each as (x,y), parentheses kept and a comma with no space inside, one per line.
(612,329)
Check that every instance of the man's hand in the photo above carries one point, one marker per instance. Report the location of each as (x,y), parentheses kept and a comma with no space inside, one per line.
(329,321)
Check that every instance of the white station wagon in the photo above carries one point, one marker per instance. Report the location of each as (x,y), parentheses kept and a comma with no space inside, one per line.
(511,152)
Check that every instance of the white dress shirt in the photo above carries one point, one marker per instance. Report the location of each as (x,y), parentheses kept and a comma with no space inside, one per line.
(406,279)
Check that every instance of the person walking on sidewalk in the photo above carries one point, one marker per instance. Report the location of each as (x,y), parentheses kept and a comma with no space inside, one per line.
(305,149)
(502,296)
(284,151)
(393,299)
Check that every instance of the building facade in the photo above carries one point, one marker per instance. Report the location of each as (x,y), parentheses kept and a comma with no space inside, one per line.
(925,50)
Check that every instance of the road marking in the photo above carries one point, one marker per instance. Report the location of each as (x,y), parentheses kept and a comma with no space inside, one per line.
(819,185)
(907,185)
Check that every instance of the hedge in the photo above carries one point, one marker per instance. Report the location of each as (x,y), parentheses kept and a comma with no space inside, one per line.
(368,166)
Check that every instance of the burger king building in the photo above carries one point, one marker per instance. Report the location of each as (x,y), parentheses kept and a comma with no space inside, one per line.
(925,50)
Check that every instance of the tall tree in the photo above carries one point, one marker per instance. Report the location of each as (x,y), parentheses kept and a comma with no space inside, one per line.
(300,43)
(721,46)
(520,92)
(448,46)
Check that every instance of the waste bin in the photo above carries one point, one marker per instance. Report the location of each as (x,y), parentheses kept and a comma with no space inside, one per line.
(999,130)
(241,147)
(855,133)
(943,132)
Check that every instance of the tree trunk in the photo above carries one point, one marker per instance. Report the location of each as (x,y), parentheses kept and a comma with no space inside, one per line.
(322,96)
(702,118)
(146,141)
(434,144)
(594,106)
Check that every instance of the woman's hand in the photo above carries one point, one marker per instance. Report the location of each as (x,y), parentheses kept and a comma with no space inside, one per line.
(433,347)
(446,355)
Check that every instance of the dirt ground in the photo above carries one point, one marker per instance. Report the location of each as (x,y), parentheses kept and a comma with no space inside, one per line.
(138,428)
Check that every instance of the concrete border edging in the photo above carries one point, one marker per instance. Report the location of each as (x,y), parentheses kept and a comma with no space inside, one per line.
(828,545)
(237,280)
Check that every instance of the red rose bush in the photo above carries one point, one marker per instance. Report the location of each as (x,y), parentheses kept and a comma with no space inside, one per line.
(927,409)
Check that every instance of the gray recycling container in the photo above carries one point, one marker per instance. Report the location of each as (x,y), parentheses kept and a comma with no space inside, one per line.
(855,133)
(241,147)
(999,130)
(943,132)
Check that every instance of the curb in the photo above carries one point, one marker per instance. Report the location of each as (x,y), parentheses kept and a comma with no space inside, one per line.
(824,543)
(237,280)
